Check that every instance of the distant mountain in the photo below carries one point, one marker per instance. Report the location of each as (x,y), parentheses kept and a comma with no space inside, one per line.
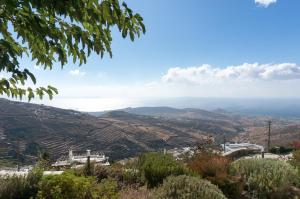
(170,112)
(173,112)
(275,107)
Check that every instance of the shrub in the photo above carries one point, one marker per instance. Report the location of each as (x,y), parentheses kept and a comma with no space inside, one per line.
(123,175)
(281,149)
(101,173)
(189,188)
(20,187)
(210,165)
(66,185)
(131,174)
(296,144)
(141,193)
(108,189)
(32,182)
(88,169)
(12,187)
(295,161)
(215,168)
(265,176)
(116,172)
(132,177)
(154,167)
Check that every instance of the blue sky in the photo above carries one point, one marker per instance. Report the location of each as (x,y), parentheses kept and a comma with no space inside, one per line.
(195,48)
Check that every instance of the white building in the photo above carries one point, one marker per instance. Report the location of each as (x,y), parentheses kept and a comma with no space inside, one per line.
(229,148)
(73,160)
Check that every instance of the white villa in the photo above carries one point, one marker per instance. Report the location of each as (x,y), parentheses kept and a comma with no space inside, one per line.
(75,160)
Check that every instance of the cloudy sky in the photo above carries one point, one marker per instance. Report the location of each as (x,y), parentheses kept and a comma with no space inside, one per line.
(195,48)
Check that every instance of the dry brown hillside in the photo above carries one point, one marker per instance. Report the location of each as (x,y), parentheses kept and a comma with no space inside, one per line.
(26,129)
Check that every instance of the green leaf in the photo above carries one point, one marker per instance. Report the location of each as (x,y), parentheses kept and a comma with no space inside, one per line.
(58,31)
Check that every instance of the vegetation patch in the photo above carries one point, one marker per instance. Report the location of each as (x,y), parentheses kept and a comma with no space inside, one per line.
(265,176)
(177,187)
(155,167)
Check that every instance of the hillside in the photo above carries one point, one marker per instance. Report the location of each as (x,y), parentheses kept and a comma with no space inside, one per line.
(118,134)
(27,128)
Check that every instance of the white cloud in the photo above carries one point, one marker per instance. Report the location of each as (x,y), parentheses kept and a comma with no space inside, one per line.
(245,80)
(265,3)
(252,72)
(77,72)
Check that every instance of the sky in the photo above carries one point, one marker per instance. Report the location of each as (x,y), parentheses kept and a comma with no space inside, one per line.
(195,48)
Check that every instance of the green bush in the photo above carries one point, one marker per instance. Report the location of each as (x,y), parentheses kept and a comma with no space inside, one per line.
(295,161)
(265,176)
(20,187)
(87,170)
(155,167)
(131,177)
(67,185)
(281,149)
(189,188)
(108,189)
(12,187)
(116,172)
(101,172)
(123,175)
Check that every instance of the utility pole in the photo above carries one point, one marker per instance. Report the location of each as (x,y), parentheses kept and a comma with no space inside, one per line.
(269,136)
(18,151)
(224,141)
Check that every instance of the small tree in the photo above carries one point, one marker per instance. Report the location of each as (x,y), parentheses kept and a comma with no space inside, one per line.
(87,167)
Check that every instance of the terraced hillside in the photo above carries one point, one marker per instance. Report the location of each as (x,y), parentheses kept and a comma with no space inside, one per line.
(236,127)
(282,134)
(27,128)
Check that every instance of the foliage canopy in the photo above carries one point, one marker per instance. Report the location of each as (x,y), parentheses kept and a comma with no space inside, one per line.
(50,31)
